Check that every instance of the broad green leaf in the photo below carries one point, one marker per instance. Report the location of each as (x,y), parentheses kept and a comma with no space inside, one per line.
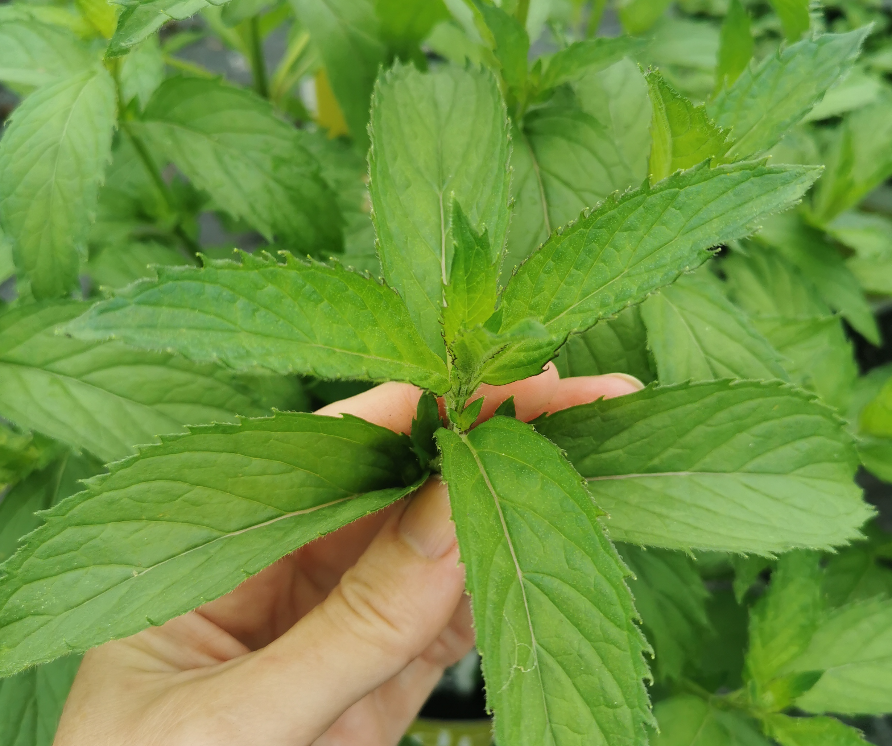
(812,731)
(185,522)
(782,623)
(876,456)
(509,41)
(100,14)
(435,137)
(861,571)
(115,266)
(142,72)
(876,417)
(562,655)
(822,264)
(859,159)
(696,334)
(735,46)
(34,53)
(40,491)
(103,397)
(856,90)
(50,15)
(751,467)
(230,142)
(671,598)
(585,57)
(406,23)
(686,720)
(853,646)
(347,34)
(313,319)
(682,134)
(870,236)
(141,18)
(768,99)
(32,702)
(787,310)
(794,17)
(564,160)
(52,157)
(617,345)
(630,246)
(617,97)
(470,296)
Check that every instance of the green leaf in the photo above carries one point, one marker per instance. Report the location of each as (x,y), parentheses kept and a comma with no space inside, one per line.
(735,46)
(794,17)
(751,467)
(856,90)
(876,417)
(671,598)
(617,345)
(767,100)
(22,453)
(186,521)
(686,720)
(747,570)
(822,264)
(7,266)
(853,646)
(632,245)
(470,296)
(142,72)
(32,702)
(814,731)
(40,491)
(230,142)
(474,350)
(347,34)
(425,423)
(859,159)
(34,53)
(52,157)
(638,16)
(103,397)
(787,310)
(697,334)
(118,265)
(585,57)
(682,134)
(564,160)
(435,137)
(861,571)
(307,318)
(509,41)
(406,23)
(141,18)
(562,655)
(782,623)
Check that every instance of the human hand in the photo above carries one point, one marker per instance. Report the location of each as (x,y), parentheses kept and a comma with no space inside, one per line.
(340,642)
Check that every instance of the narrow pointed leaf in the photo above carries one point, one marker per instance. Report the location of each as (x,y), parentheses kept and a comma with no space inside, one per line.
(510,44)
(470,296)
(682,134)
(314,319)
(185,522)
(101,396)
(141,18)
(794,17)
(435,137)
(632,245)
(750,467)
(853,647)
(735,45)
(768,99)
(562,655)
(812,731)
(231,143)
(52,157)
(697,334)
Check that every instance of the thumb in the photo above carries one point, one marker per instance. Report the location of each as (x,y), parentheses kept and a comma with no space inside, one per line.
(385,612)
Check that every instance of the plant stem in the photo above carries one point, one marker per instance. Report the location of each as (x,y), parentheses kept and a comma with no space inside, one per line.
(148,162)
(258,65)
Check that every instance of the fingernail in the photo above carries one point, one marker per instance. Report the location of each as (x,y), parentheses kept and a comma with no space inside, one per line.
(631,380)
(426,525)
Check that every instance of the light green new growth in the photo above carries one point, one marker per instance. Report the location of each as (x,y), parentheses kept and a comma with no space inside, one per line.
(52,157)
(735,46)
(812,731)
(307,318)
(733,477)
(256,491)
(141,18)
(562,655)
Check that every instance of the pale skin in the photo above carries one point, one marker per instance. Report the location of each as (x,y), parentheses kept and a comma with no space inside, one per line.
(339,643)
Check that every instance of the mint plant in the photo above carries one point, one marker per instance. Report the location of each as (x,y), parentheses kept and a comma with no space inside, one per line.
(483,212)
